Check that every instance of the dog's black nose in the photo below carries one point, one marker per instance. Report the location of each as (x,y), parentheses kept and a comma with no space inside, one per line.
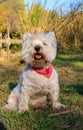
(37,48)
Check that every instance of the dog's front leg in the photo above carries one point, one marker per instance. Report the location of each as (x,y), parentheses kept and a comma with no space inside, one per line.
(13,98)
(54,96)
(23,101)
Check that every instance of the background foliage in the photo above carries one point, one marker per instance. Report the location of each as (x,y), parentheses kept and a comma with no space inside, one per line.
(68,27)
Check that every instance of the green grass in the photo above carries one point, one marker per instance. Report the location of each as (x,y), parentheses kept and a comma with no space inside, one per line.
(70,70)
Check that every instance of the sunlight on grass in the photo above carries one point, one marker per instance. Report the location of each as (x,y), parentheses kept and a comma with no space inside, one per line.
(78,65)
(69,68)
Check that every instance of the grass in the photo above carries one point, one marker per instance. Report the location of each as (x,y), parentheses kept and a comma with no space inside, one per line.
(70,70)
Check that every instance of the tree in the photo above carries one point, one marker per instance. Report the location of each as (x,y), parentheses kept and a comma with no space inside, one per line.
(13,16)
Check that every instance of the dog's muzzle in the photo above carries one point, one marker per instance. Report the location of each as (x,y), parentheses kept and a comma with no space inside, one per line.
(38,55)
(37,48)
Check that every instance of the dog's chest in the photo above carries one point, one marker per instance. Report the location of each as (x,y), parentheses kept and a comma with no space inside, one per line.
(36,80)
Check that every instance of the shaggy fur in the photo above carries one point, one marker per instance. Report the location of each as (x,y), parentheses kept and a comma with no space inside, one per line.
(39,50)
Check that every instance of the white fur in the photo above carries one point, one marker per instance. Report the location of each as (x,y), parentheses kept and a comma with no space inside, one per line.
(31,82)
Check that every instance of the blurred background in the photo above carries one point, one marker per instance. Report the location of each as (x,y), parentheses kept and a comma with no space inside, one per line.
(64,17)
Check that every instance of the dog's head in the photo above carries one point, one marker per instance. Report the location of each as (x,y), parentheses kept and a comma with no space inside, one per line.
(39,49)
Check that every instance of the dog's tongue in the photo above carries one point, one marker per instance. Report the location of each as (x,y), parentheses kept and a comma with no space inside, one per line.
(38,56)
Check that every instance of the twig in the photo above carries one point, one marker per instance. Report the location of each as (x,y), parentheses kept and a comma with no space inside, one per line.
(61,113)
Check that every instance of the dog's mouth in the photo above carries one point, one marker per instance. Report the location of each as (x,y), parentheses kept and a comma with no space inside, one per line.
(38,56)
(39,60)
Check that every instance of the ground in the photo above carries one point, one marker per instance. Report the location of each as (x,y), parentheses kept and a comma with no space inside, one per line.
(70,69)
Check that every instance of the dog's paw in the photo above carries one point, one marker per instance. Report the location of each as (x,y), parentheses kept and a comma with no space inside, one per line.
(22,109)
(8,106)
(58,105)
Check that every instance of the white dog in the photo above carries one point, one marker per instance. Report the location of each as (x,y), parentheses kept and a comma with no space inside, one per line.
(39,76)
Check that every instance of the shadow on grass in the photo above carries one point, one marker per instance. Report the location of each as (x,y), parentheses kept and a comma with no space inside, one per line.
(12,85)
(65,59)
(70,58)
(74,88)
(78,88)
(2,127)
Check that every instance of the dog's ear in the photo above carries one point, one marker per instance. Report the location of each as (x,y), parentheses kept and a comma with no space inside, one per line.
(51,34)
(52,38)
(25,39)
(26,36)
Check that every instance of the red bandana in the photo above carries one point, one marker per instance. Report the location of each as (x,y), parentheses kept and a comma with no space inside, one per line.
(46,71)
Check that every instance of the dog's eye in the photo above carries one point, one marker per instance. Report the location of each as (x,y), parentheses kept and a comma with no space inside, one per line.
(44,44)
